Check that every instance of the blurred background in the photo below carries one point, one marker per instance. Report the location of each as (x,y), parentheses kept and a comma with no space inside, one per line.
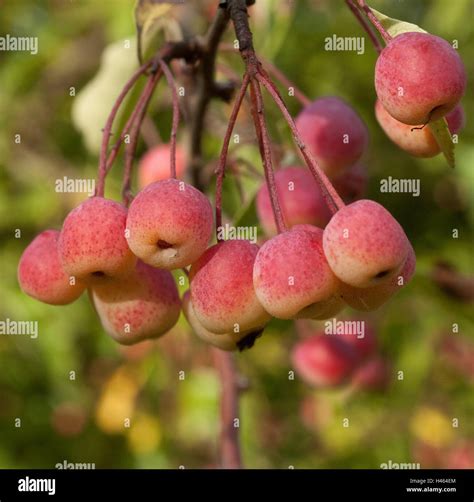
(73,386)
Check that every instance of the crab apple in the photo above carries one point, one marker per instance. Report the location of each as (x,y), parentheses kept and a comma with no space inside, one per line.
(364,244)
(364,346)
(352,183)
(372,375)
(419,77)
(143,305)
(291,273)
(41,274)
(92,243)
(417,142)
(170,224)
(155,164)
(371,298)
(301,200)
(222,290)
(227,341)
(334,133)
(323,309)
(323,360)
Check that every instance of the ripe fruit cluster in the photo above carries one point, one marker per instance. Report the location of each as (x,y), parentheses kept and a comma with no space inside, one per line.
(419,78)
(323,360)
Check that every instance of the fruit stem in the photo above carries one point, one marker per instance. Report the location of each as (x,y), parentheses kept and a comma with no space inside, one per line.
(108,126)
(332,197)
(265,152)
(355,10)
(276,72)
(220,170)
(175,122)
(229,437)
(375,22)
(131,147)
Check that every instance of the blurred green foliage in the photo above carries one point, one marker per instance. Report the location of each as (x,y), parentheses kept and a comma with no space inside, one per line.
(78,417)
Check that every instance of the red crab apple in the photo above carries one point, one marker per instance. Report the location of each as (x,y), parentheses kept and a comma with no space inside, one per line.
(419,77)
(364,346)
(323,360)
(222,292)
(155,164)
(364,244)
(333,132)
(372,375)
(300,197)
(41,274)
(418,142)
(143,305)
(352,183)
(92,243)
(291,273)
(225,341)
(170,224)
(373,297)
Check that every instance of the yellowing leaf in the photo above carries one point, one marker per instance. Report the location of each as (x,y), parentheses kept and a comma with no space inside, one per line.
(93,103)
(395,27)
(152,20)
(440,131)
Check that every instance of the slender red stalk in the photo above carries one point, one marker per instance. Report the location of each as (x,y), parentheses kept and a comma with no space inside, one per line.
(175,121)
(355,10)
(332,198)
(220,170)
(108,126)
(134,134)
(375,22)
(266,153)
(229,437)
(114,151)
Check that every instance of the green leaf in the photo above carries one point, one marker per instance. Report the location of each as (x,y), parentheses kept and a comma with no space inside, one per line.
(396,27)
(154,26)
(440,131)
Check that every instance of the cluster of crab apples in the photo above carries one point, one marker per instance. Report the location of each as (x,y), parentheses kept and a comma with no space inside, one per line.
(323,261)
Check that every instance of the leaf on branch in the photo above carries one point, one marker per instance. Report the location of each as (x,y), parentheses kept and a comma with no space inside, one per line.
(439,129)
(154,26)
(396,27)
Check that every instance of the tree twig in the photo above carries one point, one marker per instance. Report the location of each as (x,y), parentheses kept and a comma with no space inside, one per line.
(373,37)
(375,22)
(230,456)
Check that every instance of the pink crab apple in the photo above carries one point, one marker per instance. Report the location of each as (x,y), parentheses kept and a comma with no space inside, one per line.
(352,183)
(225,341)
(418,142)
(222,292)
(372,375)
(92,243)
(170,224)
(155,164)
(333,132)
(419,77)
(364,244)
(143,305)
(41,274)
(323,360)
(301,200)
(291,273)
(371,298)
(364,346)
